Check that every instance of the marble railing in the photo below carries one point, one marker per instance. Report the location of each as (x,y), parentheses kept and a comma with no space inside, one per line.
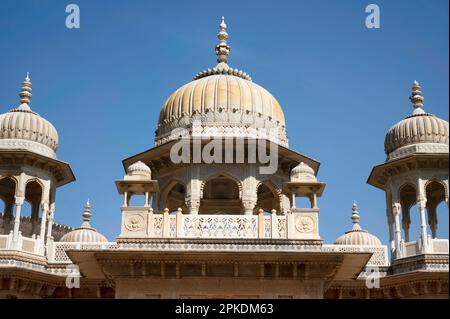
(432,246)
(138,224)
(379,256)
(56,251)
(32,244)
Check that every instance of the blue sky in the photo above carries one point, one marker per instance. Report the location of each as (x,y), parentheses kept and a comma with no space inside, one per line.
(340,84)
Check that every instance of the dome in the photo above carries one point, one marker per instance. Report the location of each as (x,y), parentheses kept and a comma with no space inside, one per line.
(21,128)
(357,235)
(303,173)
(223,101)
(420,132)
(138,170)
(85,233)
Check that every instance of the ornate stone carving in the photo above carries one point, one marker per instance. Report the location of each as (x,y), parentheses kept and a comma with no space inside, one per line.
(134,223)
(304,224)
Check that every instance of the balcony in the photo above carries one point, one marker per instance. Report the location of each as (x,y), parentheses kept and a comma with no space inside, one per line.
(31,245)
(141,222)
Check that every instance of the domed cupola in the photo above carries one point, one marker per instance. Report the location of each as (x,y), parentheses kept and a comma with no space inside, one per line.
(21,128)
(303,173)
(357,235)
(222,102)
(420,132)
(85,233)
(138,171)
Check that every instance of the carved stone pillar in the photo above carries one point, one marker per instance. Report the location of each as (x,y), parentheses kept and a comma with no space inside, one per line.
(390,220)
(249,206)
(50,220)
(19,203)
(396,209)
(193,206)
(421,204)
(44,207)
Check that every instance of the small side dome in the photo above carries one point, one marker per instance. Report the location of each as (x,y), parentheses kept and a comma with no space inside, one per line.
(85,233)
(21,128)
(303,173)
(357,235)
(420,132)
(138,170)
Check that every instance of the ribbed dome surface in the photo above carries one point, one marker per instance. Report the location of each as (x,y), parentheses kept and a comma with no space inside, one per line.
(28,125)
(221,92)
(420,128)
(21,128)
(85,233)
(302,173)
(222,101)
(358,237)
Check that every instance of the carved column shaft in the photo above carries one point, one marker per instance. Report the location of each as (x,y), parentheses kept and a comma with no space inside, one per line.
(421,204)
(43,221)
(19,203)
(391,229)
(50,220)
(396,209)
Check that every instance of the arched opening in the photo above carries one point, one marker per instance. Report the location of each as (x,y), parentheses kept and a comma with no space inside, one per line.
(220,195)
(7,193)
(410,213)
(437,214)
(268,198)
(31,209)
(173,197)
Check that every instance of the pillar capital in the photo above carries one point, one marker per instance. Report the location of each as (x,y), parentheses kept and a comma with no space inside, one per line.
(396,209)
(421,202)
(19,200)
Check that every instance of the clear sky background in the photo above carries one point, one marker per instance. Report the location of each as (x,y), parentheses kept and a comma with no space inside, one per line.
(340,84)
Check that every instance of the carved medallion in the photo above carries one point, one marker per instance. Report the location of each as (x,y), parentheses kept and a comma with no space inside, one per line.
(134,223)
(304,224)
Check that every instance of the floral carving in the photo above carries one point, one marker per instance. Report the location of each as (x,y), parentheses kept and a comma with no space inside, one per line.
(134,223)
(304,224)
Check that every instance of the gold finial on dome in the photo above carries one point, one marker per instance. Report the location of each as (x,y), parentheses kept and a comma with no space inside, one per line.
(222,48)
(416,98)
(25,93)
(355,217)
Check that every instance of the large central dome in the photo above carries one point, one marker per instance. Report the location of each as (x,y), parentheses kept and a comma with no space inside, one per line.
(222,102)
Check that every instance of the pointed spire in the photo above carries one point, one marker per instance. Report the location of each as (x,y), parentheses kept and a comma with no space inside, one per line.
(25,93)
(355,217)
(222,48)
(416,98)
(86,214)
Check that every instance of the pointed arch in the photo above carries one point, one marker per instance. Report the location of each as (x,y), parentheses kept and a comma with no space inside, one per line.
(435,191)
(221,193)
(221,174)
(8,189)
(173,196)
(268,196)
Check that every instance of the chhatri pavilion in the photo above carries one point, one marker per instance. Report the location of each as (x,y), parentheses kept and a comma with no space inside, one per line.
(215,225)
